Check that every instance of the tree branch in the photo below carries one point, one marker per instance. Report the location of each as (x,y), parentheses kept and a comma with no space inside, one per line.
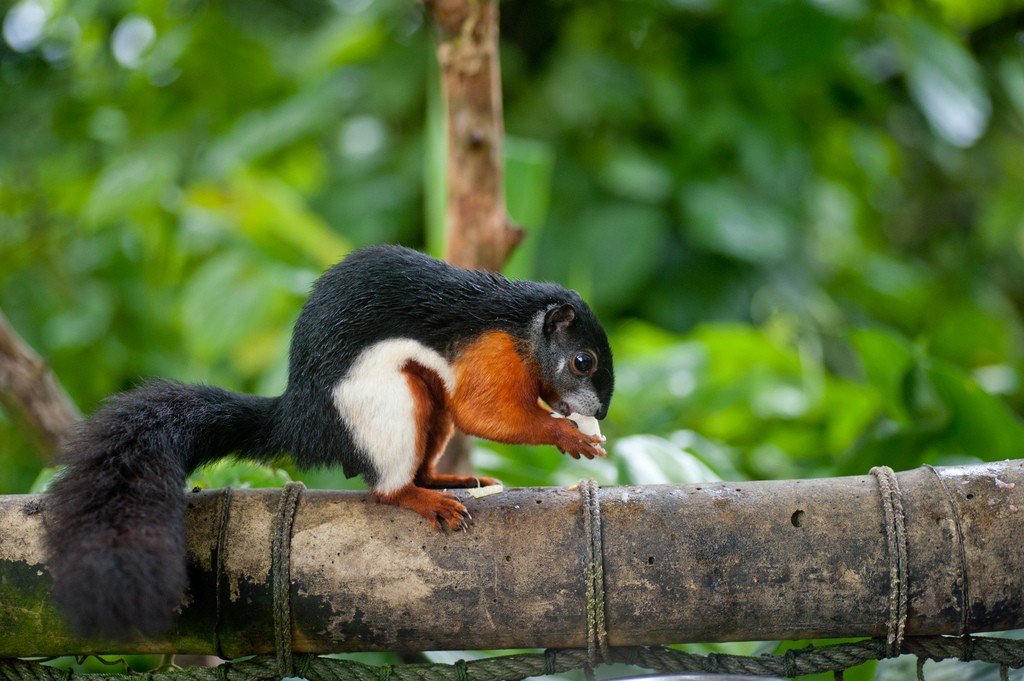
(31,394)
(480,234)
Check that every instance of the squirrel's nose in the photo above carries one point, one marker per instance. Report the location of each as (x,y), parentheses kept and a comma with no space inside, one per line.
(602,412)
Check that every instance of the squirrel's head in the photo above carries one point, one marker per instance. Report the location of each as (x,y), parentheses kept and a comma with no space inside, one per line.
(575,360)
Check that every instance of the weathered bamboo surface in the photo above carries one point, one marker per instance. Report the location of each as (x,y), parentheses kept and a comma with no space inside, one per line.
(710,562)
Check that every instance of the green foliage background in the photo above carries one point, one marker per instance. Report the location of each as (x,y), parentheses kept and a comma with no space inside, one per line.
(802,221)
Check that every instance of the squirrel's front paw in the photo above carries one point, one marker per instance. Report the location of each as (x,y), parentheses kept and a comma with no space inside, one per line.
(574,442)
(584,449)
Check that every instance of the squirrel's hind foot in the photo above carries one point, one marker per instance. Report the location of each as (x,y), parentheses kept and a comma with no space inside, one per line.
(442,510)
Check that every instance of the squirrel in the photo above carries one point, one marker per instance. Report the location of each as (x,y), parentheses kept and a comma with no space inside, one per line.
(391,352)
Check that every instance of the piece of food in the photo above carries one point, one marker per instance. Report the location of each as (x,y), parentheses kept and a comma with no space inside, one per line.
(478,492)
(588,425)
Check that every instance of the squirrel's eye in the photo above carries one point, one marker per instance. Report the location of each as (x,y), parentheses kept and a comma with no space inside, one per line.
(583,363)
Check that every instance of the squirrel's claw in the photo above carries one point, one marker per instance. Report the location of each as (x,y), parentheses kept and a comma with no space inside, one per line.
(442,510)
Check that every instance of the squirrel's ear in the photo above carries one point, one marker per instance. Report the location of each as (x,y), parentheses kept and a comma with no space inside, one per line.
(559,318)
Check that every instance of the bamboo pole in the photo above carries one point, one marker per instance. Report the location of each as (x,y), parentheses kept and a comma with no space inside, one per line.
(711,562)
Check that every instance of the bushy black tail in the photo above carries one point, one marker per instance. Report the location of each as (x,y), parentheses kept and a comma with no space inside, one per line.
(115,516)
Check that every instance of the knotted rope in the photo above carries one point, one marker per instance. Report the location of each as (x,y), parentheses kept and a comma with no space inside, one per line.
(597,632)
(280,574)
(896,544)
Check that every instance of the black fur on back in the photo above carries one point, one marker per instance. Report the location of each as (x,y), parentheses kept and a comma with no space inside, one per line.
(115,516)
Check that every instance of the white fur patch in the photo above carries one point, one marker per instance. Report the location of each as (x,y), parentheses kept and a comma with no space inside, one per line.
(375,403)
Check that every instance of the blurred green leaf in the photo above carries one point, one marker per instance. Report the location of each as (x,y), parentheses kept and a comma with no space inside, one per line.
(622,243)
(130,184)
(980,424)
(344,39)
(886,360)
(42,481)
(265,131)
(245,328)
(632,174)
(945,82)
(237,474)
(528,168)
(258,206)
(728,220)
(650,460)
(970,335)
